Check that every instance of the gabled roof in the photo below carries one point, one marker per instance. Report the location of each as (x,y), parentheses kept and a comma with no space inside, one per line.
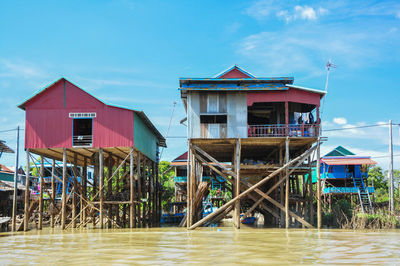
(141,114)
(339,151)
(233,69)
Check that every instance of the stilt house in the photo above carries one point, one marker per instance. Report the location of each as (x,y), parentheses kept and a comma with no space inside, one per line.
(343,173)
(258,126)
(65,123)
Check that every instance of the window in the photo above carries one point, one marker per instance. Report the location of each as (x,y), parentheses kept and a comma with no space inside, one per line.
(82,132)
(213,119)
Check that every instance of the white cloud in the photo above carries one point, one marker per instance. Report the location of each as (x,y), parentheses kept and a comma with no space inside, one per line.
(340,120)
(263,9)
(20,69)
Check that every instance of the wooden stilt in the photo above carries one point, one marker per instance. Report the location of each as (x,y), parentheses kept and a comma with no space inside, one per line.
(101,185)
(319,217)
(188,187)
(310,191)
(124,187)
(132,192)
(281,193)
(84,192)
(75,191)
(139,189)
(237,185)
(109,187)
(27,192)
(53,194)
(117,211)
(64,191)
(41,174)
(287,186)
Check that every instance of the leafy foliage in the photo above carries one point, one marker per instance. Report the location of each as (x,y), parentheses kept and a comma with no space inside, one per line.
(167,180)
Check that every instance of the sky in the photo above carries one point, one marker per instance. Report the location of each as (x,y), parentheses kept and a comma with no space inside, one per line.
(132,54)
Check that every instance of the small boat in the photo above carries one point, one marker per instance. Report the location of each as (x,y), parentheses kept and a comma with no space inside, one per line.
(249,220)
(208,208)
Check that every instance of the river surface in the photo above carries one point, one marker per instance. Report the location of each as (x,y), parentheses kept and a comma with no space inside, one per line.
(223,245)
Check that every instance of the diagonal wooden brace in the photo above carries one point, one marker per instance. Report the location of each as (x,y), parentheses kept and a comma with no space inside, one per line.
(254,187)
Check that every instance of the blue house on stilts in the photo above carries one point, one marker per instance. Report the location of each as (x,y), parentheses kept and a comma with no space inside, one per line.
(344,173)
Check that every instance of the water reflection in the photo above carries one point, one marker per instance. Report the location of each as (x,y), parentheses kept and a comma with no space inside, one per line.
(204,245)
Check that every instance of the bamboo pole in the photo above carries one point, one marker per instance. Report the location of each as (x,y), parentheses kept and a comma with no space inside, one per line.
(27,193)
(41,173)
(287,185)
(53,193)
(101,186)
(132,193)
(64,190)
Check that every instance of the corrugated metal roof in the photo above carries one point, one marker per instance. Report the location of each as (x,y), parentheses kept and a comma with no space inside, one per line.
(306,89)
(232,68)
(5,148)
(347,160)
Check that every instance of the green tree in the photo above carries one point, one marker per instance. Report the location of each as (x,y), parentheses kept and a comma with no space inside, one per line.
(167,173)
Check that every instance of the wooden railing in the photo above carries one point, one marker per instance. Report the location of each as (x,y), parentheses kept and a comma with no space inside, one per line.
(85,140)
(281,130)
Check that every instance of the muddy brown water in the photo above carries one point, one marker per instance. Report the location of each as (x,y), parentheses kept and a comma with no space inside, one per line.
(227,246)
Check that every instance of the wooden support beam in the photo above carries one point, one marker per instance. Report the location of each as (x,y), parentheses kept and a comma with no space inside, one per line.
(117,180)
(27,192)
(280,206)
(319,217)
(109,186)
(64,191)
(74,195)
(209,157)
(132,216)
(287,185)
(253,188)
(41,174)
(84,192)
(53,193)
(237,183)
(274,187)
(139,189)
(101,186)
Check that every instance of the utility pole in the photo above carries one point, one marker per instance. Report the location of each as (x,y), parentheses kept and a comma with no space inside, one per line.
(14,207)
(391,181)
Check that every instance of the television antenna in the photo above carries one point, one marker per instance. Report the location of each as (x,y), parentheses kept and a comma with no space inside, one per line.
(328,66)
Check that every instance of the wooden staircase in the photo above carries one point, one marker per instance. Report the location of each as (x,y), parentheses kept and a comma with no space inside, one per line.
(365,199)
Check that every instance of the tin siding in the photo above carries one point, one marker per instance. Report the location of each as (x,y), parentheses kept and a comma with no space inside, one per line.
(48,124)
(193,111)
(145,140)
(237,115)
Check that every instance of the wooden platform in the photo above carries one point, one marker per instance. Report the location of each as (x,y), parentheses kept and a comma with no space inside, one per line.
(222,149)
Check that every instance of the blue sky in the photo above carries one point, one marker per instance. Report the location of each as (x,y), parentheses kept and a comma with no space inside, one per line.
(131,53)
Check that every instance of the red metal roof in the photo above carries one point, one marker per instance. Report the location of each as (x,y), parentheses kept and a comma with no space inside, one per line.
(348,161)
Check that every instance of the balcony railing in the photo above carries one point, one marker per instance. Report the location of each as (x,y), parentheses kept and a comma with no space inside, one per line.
(85,140)
(345,190)
(282,130)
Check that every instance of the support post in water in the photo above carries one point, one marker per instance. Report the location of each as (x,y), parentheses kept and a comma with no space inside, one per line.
(132,192)
(64,191)
(319,217)
(14,207)
(101,186)
(27,192)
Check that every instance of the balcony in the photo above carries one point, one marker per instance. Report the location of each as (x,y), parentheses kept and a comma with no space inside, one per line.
(282,130)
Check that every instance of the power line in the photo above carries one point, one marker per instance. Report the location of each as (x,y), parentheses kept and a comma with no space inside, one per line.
(9,130)
(355,127)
